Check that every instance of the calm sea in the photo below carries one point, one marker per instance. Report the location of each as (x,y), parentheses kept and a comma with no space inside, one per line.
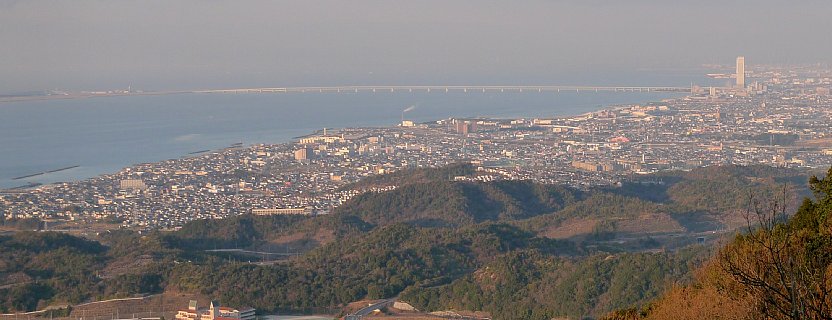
(105,134)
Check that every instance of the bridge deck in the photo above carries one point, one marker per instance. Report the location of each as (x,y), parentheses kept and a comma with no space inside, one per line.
(347,89)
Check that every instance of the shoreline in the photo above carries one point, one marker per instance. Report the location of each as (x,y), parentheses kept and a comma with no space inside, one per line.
(33,185)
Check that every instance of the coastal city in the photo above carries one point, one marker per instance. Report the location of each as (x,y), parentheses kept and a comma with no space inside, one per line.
(778,119)
(420,160)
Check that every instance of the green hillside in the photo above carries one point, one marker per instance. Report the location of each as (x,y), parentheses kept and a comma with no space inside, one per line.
(444,203)
(779,269)
(508,248)
(531,285)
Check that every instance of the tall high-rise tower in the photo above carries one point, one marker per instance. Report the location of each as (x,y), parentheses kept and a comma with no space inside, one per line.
(740,72)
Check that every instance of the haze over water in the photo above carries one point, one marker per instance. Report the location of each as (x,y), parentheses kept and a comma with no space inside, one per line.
(103,135)
(185,45)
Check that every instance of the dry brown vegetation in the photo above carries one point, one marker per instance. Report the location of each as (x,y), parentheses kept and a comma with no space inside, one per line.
(779,268)
(714,296)
(164,305)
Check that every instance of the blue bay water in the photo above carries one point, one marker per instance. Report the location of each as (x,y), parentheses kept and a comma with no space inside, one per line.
(104,134)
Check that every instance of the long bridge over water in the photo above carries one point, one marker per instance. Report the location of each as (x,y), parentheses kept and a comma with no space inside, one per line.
(373,89)
(378,89)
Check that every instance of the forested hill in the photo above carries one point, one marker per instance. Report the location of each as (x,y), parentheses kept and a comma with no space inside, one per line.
(445,203)
(779,269)
(659,204)
(716,188)
(507,248)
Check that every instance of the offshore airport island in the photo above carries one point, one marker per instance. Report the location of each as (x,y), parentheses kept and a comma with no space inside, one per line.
(770,127)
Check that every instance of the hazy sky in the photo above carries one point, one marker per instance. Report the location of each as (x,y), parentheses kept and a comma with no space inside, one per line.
(161,44)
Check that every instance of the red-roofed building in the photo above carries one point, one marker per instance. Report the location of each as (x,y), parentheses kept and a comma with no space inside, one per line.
(620,139)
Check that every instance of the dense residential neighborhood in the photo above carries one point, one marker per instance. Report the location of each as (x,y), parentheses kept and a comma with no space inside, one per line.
(779,120)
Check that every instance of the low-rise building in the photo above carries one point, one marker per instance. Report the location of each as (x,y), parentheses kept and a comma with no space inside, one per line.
(214,312)
(274,211)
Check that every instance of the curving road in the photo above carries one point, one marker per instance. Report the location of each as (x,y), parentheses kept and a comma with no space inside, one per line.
(369,309)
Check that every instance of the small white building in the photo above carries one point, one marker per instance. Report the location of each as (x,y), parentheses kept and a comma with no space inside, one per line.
(214,312)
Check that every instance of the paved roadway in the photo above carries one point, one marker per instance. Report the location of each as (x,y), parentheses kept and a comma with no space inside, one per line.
(253,252)
(369,309)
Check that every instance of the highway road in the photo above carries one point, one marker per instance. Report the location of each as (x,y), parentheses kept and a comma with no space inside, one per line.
(369,309)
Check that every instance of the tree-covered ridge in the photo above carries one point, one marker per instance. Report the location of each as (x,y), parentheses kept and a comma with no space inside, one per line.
(780,268)
(699,200)
(250,230)
(379,264)
(530,285)
(602,205)
(436,202)
(442,244)
(46,266)
(714,189)
(445,203)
